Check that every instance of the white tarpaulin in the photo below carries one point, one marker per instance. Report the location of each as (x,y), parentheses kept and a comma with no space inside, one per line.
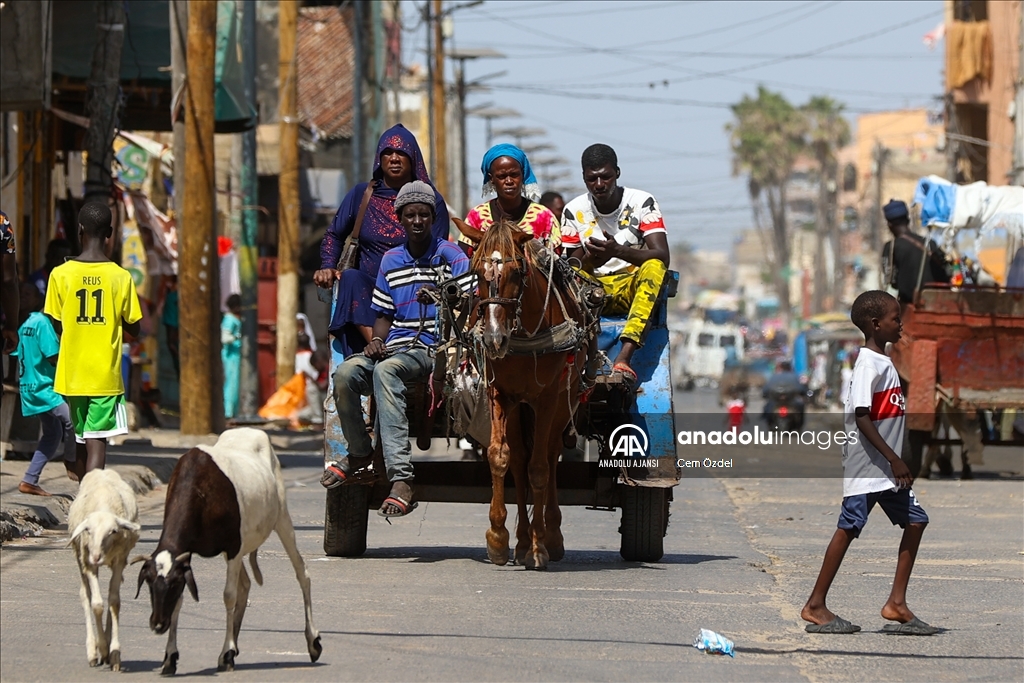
(983,206)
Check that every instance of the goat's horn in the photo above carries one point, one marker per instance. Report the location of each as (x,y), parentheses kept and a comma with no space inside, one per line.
(141,558)
(183,557)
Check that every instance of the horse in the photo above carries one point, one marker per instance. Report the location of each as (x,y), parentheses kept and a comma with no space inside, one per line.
(530,333)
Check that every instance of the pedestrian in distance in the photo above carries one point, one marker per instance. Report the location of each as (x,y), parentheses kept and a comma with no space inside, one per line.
(873,472)
(9,296)
(231,354)
(38,348)
(92,302)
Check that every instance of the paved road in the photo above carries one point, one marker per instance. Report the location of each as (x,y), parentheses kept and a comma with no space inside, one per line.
(424,603)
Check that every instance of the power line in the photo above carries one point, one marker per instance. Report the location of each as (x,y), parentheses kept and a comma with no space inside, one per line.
(631,7)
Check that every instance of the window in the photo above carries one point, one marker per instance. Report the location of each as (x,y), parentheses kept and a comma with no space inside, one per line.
(727,340)
(705,339)
(849,178)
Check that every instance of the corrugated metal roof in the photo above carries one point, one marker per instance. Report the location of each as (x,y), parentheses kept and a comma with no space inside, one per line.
(325,63)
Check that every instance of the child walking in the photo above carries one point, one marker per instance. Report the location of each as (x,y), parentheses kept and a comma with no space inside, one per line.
(38,348)
(874,472)
(91,300)
(231,354)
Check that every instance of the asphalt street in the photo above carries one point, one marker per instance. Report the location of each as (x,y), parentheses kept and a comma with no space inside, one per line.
(425,604)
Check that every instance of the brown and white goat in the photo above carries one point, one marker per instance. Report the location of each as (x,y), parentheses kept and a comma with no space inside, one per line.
(224,498)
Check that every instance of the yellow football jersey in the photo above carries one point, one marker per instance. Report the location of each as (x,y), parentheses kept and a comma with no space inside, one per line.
(90,300)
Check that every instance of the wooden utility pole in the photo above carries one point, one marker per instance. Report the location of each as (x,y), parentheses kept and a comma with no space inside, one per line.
(103,99)
(288,194)
(201,394)
(440,137)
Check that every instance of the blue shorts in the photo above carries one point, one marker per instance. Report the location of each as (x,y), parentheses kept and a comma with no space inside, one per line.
(901,507)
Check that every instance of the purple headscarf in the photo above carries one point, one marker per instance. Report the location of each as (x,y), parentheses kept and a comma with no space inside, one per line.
(399,138)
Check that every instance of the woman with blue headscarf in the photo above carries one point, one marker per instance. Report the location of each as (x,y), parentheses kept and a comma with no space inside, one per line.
(398,162)
(507,174)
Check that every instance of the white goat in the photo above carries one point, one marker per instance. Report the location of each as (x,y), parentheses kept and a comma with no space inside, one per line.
(104,524)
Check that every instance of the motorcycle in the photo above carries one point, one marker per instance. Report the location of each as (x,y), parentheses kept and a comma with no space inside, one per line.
(785,409)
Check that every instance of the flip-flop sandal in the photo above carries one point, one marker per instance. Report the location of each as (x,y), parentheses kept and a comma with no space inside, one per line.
(837,625)
(333,477)
(914,627)
(629,377)
(404,506)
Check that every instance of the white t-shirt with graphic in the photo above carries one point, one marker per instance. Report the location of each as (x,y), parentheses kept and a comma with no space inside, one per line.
(636,217)
(875,385)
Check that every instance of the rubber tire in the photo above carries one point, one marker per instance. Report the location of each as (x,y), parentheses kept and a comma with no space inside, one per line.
(345,519)
(644,523)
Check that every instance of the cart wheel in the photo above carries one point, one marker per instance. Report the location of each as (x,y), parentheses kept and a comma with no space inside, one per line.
(345,521)
(644,523)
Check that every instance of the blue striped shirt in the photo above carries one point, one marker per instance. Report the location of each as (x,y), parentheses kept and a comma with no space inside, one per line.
(401,276)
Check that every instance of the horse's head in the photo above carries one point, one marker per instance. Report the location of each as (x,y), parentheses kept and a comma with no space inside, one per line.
(500,264)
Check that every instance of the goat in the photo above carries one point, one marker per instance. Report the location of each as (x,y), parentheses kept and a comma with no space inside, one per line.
(104,523)
(224,498)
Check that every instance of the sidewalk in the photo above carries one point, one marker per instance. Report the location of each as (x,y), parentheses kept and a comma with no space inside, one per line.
(145,459)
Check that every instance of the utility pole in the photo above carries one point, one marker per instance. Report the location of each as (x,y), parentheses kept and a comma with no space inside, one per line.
(358,76)
(379,75)
(288,193)
(438,129)
(1017,176)
(103,98)
(879,155)
(249,388)
(201,405)
(428,17)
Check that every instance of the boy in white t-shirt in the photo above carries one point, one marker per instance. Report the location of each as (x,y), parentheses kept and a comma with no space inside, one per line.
(873,471)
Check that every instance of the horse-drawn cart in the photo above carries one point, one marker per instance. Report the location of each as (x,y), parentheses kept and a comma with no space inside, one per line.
(962,352)
(643,493)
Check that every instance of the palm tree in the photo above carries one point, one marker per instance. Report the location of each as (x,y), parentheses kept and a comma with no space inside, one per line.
(766,138)
(827,131)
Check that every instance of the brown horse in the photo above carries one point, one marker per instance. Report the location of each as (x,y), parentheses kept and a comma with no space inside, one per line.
(532,384)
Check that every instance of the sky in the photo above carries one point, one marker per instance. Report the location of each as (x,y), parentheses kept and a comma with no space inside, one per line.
(655,80)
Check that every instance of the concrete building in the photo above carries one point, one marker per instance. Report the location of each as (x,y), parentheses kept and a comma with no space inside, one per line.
(983,48)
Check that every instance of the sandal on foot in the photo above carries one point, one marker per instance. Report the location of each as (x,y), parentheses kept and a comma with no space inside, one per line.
(914,627)
(394,499)
(333,477)
(837,625)
(32,490)
(404,506)
(629,376)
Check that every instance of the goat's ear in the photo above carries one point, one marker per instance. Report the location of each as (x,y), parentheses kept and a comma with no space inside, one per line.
(141,558)
(472,234)
(78,531)
(190,581)
(127,524)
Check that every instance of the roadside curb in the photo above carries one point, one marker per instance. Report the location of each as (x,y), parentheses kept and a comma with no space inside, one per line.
(24,515)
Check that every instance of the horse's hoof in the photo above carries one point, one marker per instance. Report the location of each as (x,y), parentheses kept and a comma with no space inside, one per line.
(315,648)
(556,554)
(96,661)
(114,660)
(536,561)
(227,661)
(497,556)
(170,665)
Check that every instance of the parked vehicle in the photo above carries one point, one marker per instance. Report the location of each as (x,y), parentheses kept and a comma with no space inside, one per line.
(708,348)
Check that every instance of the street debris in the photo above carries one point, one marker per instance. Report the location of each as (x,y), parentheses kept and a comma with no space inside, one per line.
(713,643)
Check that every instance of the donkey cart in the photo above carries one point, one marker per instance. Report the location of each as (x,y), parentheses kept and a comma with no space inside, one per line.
(643,492)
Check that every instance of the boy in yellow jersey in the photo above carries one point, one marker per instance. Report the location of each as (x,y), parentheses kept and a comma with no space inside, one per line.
(91,300)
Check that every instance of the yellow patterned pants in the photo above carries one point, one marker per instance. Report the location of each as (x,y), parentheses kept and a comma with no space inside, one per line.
(634,295)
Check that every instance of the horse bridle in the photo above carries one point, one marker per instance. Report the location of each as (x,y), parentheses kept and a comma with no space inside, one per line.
(495,263)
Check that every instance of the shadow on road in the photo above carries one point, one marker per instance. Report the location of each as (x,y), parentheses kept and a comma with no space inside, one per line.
(860,653)
(575,560)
